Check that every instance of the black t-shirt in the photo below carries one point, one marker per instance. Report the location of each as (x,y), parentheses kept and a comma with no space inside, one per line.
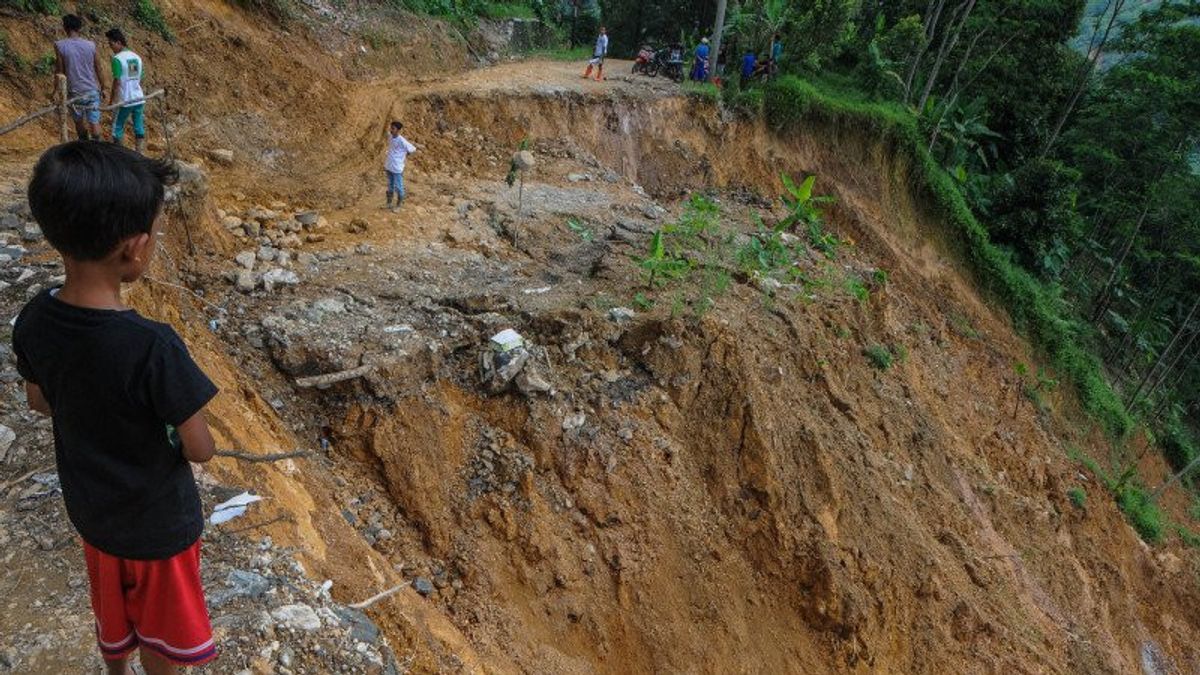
(115,381)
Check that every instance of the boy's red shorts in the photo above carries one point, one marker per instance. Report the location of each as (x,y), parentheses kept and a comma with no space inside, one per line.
(155,604)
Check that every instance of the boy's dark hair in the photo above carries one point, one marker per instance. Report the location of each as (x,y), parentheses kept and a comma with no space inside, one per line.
(72,23)
(397,125)
(115,35)
(89,196)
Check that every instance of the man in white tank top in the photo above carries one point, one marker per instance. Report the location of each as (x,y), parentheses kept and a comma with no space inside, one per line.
(127,90)
(78,59)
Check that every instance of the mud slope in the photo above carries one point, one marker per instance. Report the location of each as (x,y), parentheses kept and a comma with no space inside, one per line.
(734,492)
(746,494)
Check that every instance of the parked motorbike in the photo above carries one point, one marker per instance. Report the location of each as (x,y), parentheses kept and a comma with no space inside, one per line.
(645,57)
(669,62)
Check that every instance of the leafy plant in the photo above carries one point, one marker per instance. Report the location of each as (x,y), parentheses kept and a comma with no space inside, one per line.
(44,65)
(1078,497)
(642,302)
(858,289)
(879,356)
(579,228)
(36,6)
(659,266)
(149,15)
(803,208)
(1143,514)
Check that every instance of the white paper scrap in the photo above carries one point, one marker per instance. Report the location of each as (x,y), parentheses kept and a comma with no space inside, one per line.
(232,508)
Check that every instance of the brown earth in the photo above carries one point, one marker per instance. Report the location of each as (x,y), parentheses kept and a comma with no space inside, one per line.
(744,491)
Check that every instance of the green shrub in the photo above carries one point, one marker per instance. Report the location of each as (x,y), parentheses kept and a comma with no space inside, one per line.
(1036,309)
(1188,537)
(36,6)
(507,10)
(706,91)
(879,356)
(1078,497)
(1143,514)
(44,65)
(149,15)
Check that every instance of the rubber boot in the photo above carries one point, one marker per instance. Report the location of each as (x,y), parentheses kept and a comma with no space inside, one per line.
(140,145)
(587,73)
(600,72)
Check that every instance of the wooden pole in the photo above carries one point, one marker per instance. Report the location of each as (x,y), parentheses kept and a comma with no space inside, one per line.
(162,114)
(61,88)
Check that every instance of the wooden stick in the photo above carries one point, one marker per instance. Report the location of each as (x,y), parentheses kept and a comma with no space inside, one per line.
(333,378)
(24,477)
(378,596)
(255,526)
(147,97)
(270,457)
(64,133)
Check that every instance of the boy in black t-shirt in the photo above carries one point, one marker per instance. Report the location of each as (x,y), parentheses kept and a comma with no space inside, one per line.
(127,403)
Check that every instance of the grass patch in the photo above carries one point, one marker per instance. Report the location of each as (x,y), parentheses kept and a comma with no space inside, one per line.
(507,10)
(703,90)
(1078,497)
(149,15)
(562,54)
(34,6)
(1143,514)
(1037,310)
(879,356)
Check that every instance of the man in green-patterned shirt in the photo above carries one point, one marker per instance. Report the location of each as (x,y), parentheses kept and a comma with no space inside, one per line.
(127,90)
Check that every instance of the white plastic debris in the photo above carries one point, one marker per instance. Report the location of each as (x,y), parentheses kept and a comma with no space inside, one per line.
(507,340)
(232,508)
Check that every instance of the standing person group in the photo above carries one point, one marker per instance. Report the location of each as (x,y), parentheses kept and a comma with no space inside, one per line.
(78,59)
(598,54)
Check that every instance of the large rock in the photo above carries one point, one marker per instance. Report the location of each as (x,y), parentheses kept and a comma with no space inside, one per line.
(298,617)
(221,156)
(277,276)
(7,438)
(246,281)
(524,160)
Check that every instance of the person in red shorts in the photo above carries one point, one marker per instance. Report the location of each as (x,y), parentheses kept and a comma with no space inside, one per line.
(127,403)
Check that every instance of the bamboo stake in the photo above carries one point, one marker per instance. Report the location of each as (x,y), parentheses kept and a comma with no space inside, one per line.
(379,596)
(252,457)
(64,132)
(333,378)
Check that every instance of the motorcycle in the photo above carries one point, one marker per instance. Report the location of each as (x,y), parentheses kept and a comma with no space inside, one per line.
(669,62)
(644,58)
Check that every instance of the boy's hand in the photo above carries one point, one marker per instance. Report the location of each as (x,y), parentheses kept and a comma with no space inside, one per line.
(198,445)
(37,401)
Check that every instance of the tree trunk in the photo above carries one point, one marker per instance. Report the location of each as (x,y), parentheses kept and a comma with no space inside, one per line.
(1154,495)
(718,28)
(1095,51)
(1180,374)
(932,13)
(1171,368)
(949,41)
(1162,356)
(1105,297)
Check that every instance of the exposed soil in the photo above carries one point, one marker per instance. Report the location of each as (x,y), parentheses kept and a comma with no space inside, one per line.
(738,490)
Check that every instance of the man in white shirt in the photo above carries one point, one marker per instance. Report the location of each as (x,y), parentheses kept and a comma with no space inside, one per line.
(598,55)
(398,150)
(127,70)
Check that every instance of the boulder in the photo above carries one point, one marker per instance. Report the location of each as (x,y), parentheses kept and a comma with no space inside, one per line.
(221,156)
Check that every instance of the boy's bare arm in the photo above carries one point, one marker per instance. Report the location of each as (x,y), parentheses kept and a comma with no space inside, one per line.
(37,401)
(198,445)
